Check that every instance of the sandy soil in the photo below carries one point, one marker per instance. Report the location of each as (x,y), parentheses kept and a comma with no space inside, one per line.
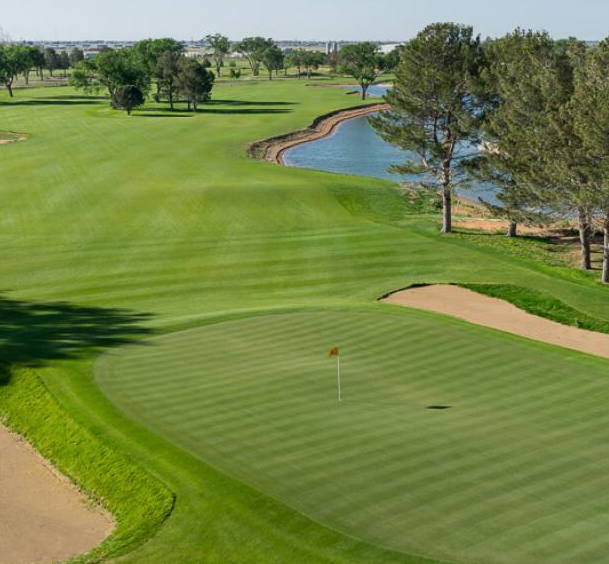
(499,314)
(43,517)
(276,149)
(494,225)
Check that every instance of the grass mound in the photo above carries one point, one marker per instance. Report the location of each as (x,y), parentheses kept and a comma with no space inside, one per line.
(543,305)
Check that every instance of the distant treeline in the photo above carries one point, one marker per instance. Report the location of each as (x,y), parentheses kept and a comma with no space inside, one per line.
(164,64)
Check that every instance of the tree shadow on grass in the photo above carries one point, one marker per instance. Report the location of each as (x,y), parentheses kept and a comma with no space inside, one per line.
(50,102)
(216,102)
(33,334)
(243,111)
(206,109)
(144,114)
(77,97)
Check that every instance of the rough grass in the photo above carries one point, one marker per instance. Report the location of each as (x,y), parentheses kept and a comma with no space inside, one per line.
(138,502)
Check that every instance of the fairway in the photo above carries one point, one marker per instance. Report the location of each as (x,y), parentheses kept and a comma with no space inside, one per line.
(515,471)
(217,433)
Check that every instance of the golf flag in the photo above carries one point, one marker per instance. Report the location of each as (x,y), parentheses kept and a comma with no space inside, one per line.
(335,352)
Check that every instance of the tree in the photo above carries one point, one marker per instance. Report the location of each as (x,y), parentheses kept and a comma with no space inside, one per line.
(295,59)
(63,62)
(168,69)
(533,84)
(150,51)
(332,61)
(501,161)
(221,48)
(362,62)
(195,82)
(253,48)
(112,70)
(76,56)
(434,112)
(589,109)
(129,97)
(51,60)
(13,60)
(272,59)
(31,59)
(312,60)
(392,59)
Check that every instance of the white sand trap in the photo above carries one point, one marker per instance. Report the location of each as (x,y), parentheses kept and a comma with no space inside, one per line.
(499,314)
(43,517)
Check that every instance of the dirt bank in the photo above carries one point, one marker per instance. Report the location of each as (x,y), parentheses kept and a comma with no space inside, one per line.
(273,149)
(43,517)
(499,314)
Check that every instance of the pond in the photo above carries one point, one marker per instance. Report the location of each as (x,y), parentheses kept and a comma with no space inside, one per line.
(355,148)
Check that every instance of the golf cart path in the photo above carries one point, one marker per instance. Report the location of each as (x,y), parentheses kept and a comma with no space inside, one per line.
(43,517)
(499,314)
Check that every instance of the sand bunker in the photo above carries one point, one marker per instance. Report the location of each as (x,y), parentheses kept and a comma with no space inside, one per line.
(499,314)
(9,137)
(43,517)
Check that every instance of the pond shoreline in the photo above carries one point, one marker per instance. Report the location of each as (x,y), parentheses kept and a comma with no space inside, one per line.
(273,149)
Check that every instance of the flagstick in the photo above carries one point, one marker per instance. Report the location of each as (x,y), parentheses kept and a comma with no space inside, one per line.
(338,374)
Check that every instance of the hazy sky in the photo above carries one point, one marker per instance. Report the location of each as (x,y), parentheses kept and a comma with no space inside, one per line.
(289,19)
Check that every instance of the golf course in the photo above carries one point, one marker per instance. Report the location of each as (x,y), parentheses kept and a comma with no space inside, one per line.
(168,304)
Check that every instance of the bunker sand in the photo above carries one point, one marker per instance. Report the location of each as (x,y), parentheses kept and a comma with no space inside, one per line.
(499,314)
(43,517)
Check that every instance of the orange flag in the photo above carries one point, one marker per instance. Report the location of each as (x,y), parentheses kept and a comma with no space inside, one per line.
(334,352)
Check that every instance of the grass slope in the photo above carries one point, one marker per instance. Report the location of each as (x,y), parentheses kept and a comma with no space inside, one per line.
(163,218)
(542,305)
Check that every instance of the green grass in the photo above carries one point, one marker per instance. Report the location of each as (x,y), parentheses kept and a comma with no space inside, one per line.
(257,399)
(115,228)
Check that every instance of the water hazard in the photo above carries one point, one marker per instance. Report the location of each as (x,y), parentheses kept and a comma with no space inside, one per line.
(355,148)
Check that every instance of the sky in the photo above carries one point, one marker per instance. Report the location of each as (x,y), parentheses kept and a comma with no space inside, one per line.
(381,20)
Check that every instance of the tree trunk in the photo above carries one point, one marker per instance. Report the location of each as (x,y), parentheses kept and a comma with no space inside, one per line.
(299,73)
(364,92)
(447,210)
(605,277)
(9,87)
(270,74)
(26,75)
(585,236)
(171,97)
(512,229)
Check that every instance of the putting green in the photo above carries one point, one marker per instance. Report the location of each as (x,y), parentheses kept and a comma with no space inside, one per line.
(516,471)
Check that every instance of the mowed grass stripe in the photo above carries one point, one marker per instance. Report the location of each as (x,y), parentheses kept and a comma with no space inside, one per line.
(257,397)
